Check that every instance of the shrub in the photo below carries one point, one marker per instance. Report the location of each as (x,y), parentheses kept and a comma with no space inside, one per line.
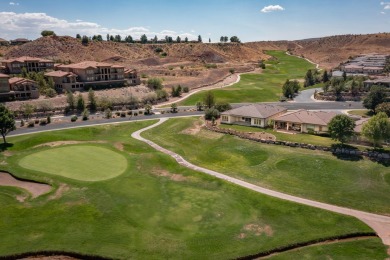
(232,71)
(186,89)
(108,113)
(31,123)
(211,66)
(123,114)
(135,114)
(140,112)
(48,119)
(36,121)
(85,115)
(144,76)
(223,106)
(117,113)
(73,118)
(21,123)
(164,54)
(43,121)
(154,83)
(158,50)
(212,113)
(130,113)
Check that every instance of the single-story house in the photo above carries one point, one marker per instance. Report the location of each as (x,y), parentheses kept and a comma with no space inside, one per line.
(384,81)
(252,115)
(304,121)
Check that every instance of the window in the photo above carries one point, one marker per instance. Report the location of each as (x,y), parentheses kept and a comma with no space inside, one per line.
(225,118)
(257,121)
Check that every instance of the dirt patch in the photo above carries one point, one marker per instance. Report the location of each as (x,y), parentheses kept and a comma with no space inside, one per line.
(171,176)
(7,153)
(36,189)
(195,129)
(258,230)
(60,143)
(61,190)
(119,146)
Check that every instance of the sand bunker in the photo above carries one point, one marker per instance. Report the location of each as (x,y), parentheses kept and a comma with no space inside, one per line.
(36,189)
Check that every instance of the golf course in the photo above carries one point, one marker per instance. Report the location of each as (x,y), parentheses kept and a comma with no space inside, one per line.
(264,87)
(115,197)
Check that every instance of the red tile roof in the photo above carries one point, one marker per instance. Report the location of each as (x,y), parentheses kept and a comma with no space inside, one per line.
(89,64)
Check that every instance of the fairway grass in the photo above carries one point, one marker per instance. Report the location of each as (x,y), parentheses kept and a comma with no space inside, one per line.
(156,209)
(317,175)
(264,87)
(79,162)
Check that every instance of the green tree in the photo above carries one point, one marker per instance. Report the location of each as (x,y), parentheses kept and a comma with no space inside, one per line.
(178,39)
(78,36)
(85,40)
(344,76)
(186,39)
(309,79)
(235,39)
(383,107)
(144,39)
(223,106)
(154,83)
(7,122)
(341,128)
(176,91)
(70,100)
(199,106)
(27,110)
(325,76)
(107,113)
(85,115)
(376,96)
(209,99)
(377,129)
(200,38)
(108,37)
(92,100)
(80,103)
(47,33)
(174,108)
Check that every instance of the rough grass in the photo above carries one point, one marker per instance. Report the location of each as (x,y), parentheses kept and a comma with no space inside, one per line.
(80,162)
(311,174)
(356,249)
(148,212)
(265,87)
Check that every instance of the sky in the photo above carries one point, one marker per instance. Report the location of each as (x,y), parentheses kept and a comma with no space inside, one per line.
(250,20)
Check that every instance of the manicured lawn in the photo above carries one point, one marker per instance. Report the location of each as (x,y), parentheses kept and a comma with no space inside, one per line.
(363,184)
(358,249)
(80,162)
(265,87)
(156,209)
(300,138)
(360,112)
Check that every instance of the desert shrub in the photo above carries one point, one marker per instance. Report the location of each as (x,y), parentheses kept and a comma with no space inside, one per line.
(21,123)
(186,89)
(144,76)
(210,66)
(135,114)
(154,83)
(130,113)
(117,113)
(48,119)
(85,115)
(43,121)
(164,54)
(108,113)
(123,114)
(232,71)
(31,123)
(36,121)
(158,50)
(73,119)
(140,112)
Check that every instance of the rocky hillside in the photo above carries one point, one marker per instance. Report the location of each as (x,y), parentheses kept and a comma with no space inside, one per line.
(328,51)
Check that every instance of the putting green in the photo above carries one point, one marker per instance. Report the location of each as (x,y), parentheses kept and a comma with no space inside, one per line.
(80,162)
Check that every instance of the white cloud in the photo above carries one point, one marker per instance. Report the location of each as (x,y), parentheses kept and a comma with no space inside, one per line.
(383,13)
(272,8)
(386,5)
(30,25)
(13,3)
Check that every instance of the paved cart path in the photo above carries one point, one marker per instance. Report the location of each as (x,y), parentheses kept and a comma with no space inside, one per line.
(379,223)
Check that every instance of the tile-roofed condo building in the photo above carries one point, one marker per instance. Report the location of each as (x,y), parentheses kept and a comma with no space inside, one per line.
(17,88)
(32,64)
(93,74)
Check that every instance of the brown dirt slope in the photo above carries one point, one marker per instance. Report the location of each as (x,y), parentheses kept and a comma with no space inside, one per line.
(328,51)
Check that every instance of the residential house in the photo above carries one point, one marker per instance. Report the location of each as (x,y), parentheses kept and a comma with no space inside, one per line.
(19,41)
(4,42)
(17,88)
(31,64)
(372,64)
(252,115)
(304,121)
(385,81)
(131,77)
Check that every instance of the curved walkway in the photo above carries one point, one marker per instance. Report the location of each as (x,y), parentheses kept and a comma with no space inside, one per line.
(213,86)
(379,223)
